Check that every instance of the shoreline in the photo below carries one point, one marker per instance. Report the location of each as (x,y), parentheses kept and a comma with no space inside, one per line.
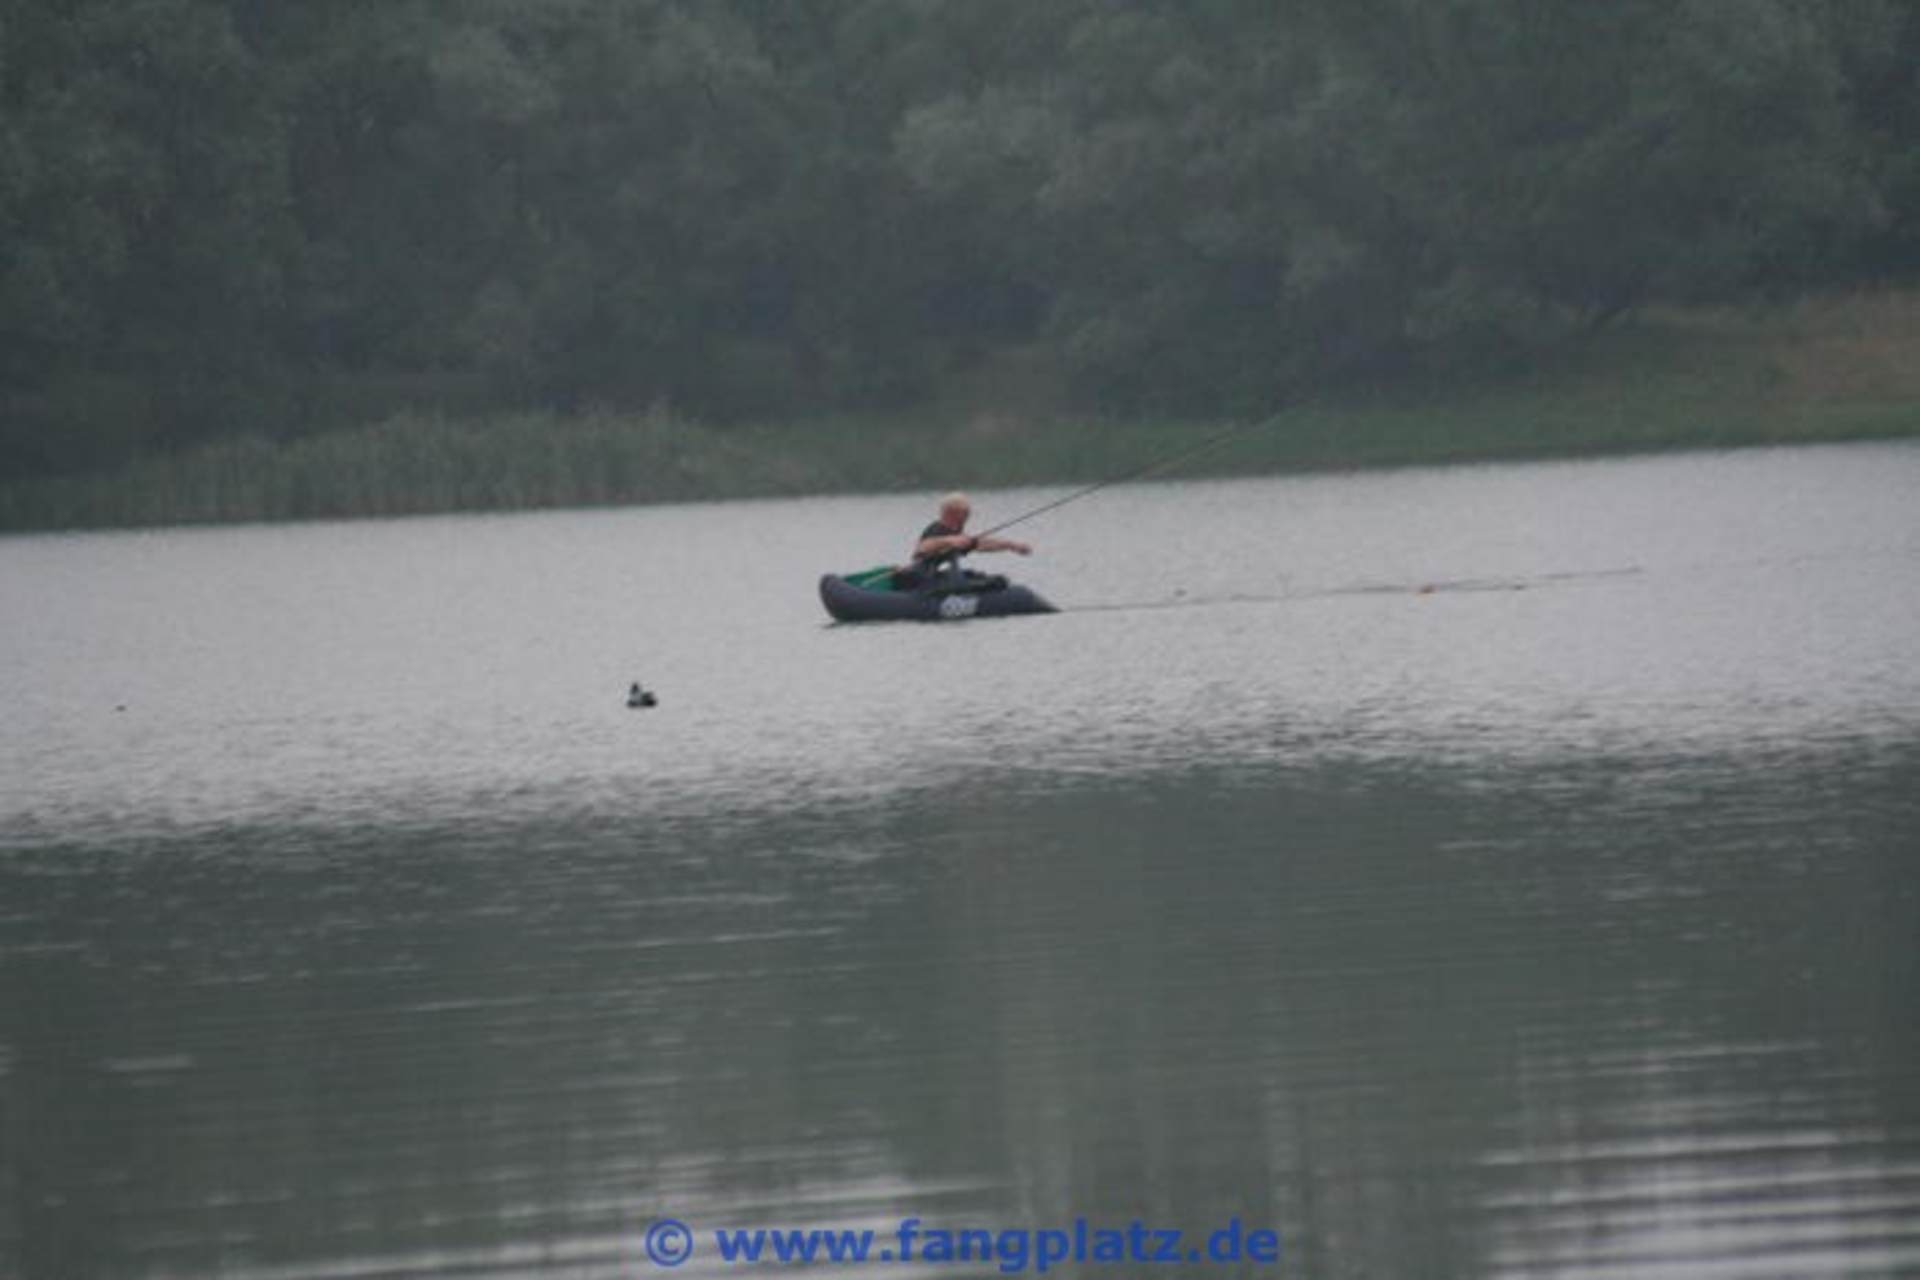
(1822,371)
(250,482)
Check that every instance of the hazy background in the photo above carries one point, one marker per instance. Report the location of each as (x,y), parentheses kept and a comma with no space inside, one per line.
(229,216)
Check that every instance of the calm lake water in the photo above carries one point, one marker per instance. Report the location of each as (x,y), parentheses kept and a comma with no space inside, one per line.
(1497,871)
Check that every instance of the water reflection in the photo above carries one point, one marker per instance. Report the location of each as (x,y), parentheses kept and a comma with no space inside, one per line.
(1548,1021)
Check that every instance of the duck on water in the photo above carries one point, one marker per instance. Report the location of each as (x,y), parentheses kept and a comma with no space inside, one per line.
(933,586)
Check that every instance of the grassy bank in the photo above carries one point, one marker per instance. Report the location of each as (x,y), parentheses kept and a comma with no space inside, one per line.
(1834,370)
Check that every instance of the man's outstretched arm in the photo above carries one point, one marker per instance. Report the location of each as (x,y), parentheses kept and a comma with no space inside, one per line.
(941,544)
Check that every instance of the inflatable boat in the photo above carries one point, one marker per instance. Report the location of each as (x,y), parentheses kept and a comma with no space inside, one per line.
(871,596)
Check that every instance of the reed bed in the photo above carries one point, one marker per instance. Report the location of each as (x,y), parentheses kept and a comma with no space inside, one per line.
(1833,370)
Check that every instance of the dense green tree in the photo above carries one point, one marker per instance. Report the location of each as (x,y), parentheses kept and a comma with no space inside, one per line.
(246,214)
(146,228)
(1880,48)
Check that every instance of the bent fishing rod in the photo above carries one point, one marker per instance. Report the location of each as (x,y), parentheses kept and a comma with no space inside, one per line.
(1192,451)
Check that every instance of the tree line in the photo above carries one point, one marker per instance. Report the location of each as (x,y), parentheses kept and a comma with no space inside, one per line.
(249,215)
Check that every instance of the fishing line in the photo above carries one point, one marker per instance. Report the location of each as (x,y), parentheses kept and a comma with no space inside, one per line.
(1445,586)
(1191,451)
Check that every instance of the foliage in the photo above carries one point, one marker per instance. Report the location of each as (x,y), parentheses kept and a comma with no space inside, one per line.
(1837,368)
(227,216)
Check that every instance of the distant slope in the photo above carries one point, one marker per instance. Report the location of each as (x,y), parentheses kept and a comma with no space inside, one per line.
(1835,369)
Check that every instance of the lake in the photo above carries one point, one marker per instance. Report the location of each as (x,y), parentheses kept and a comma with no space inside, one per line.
(1492,871)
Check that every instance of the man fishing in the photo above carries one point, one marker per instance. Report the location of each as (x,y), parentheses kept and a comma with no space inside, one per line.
(943,542)
(933,585)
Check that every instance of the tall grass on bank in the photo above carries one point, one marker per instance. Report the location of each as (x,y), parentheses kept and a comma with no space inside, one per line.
(406,465)
(1833,370)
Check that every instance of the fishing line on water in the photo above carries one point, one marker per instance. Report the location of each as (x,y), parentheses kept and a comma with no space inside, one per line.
(1448,587)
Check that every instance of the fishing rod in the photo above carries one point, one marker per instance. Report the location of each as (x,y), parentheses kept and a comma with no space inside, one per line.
(1159,464)
(1192,451)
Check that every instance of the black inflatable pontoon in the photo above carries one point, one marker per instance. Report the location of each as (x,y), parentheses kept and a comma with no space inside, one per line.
(871,597)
